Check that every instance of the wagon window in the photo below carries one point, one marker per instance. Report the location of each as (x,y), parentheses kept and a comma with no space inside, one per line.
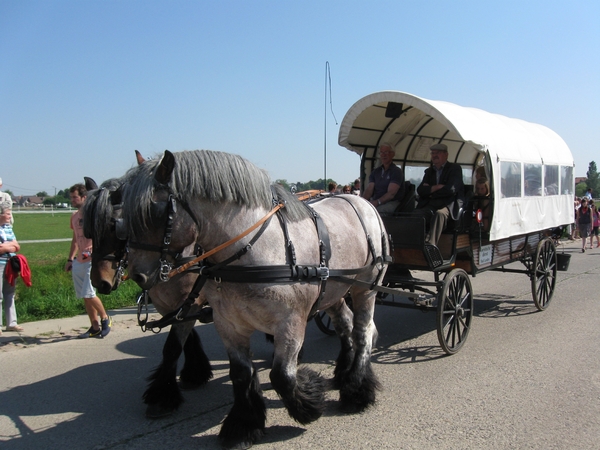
(551,180)
(566,179)
(510,179)
(414,174)
(533,180)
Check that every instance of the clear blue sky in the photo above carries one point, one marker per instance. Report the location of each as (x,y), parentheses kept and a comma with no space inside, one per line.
(84,83)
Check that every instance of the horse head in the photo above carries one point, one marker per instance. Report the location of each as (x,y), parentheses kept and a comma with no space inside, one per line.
(168,227)
(101,213)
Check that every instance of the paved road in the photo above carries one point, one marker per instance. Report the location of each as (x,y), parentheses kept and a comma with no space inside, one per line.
(524,380)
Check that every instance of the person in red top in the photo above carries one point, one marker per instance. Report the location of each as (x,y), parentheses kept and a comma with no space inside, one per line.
(80,265)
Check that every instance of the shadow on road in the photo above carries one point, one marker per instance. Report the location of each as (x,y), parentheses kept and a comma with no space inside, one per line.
(93,402)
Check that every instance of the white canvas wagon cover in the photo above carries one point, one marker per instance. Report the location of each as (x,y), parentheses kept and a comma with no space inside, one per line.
(411,124)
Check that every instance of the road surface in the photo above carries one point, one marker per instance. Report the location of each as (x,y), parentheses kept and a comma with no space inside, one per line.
(525,379)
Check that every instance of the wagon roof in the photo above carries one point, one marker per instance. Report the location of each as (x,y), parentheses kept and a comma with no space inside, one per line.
(466,131)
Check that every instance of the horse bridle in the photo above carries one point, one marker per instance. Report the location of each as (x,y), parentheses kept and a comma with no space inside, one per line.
(120,254)
(170,208)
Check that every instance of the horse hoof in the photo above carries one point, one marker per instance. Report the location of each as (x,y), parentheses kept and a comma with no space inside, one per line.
(156,411)
(232,443)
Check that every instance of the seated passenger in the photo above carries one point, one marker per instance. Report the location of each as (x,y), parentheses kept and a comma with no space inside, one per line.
(482,188)
(386,182)
(533,187)
(441,191)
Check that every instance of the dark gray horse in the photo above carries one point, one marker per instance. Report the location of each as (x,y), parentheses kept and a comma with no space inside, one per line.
(101,212)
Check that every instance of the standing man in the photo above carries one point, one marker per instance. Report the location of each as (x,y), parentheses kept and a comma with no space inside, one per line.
(386,183)
(441,191)
(80,265)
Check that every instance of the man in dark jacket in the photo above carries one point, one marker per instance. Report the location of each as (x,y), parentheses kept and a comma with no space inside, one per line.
(441,191)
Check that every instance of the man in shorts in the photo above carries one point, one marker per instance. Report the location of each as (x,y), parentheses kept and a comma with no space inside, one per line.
(80,266)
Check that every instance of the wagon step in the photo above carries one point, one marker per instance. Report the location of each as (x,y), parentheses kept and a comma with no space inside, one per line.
(433,255)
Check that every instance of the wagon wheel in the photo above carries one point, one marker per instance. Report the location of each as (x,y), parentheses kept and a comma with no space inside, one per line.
(454,311)
(543,276)
(323,321)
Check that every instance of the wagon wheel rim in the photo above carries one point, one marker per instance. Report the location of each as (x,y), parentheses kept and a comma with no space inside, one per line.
(543,277)
(324,324)
(455,311)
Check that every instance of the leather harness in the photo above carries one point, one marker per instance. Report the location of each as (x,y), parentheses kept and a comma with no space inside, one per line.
(224,272)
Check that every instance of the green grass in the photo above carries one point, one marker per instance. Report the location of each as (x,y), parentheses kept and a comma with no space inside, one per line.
(51,295)
(29,226)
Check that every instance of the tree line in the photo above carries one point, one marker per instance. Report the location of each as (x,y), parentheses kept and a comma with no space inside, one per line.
(61,196)
(309,185)
(593,181)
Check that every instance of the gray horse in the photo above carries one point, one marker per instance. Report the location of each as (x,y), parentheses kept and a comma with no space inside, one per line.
(271,279)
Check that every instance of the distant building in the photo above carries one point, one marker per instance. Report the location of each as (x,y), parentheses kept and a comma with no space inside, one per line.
(30,201)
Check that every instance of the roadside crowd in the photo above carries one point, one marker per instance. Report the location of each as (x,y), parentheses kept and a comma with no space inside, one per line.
(79,263)
(587,222)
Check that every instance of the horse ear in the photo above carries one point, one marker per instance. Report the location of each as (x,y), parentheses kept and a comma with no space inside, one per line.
(165,168)
(139,157)
(90,184)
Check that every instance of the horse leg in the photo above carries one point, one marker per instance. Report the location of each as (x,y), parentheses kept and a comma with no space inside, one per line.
(359,385)
(163,396)
(196,370)
(245,423)
(301,389)
(341,318)
(271,339)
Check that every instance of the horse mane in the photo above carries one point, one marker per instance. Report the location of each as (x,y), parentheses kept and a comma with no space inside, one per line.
(98,209)
(218,177)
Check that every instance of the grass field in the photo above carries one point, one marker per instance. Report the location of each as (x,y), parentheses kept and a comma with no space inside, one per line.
(30,226)
(51,294)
